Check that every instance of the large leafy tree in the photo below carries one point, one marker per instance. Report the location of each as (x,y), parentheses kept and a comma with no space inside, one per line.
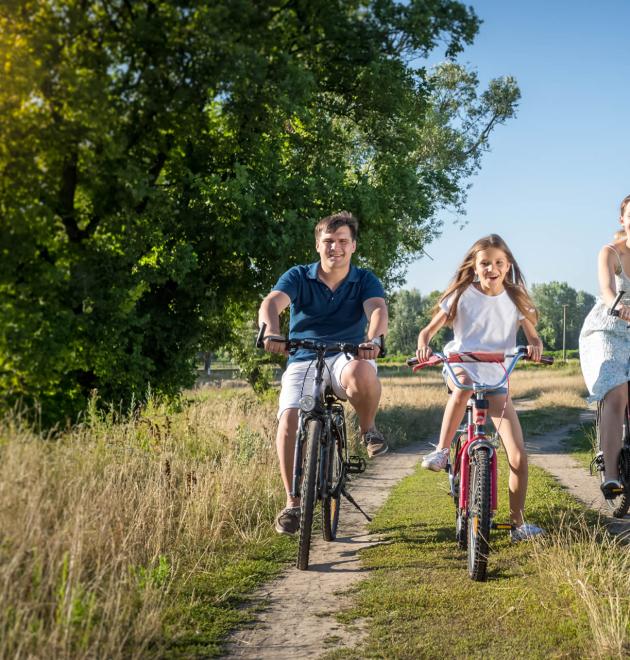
(553,300)
(163,161)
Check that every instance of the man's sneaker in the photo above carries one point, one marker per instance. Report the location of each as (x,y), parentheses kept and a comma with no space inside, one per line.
(436,460)
(375,443)
(524,532)
(288,520)
(611,489)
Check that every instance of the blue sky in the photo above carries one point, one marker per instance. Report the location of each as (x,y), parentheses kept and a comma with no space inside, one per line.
(552,183)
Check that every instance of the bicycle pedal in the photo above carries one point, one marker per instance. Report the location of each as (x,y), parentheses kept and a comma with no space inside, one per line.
(355,465)
(496,525)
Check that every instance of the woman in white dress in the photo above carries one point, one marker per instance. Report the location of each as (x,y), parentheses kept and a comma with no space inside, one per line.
(605,347)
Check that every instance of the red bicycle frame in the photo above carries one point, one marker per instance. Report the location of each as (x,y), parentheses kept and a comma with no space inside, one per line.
(475,435)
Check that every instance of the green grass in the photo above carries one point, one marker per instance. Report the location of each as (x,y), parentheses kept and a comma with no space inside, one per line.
(421,603)
(215,601)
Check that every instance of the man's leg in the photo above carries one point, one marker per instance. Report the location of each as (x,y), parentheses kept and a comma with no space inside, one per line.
(363,390)
(285,445)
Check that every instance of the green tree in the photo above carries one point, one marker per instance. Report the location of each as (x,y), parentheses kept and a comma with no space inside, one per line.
(549,299)
(163,161)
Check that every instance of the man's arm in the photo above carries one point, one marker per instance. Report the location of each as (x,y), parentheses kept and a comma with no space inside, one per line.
(376,311)
(270,309)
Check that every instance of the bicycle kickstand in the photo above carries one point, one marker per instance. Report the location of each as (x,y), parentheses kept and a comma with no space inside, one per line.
(352,501)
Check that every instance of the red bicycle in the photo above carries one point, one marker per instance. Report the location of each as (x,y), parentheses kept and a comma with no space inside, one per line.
(472,466)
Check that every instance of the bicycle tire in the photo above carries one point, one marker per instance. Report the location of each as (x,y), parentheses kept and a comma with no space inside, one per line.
(479,514)
(619,505)
(461,523)
(308,491)
(331,500)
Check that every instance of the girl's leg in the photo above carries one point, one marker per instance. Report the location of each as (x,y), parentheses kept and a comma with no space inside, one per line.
(453,413)
(512,438)
(610,426)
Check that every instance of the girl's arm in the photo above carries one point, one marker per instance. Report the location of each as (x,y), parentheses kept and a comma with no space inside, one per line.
(606,264)
(534,342)
(426,334)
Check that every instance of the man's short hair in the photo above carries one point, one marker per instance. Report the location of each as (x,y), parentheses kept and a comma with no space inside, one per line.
(331,223)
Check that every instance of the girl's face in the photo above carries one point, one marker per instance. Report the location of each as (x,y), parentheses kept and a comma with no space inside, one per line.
(491,267)
(625,220)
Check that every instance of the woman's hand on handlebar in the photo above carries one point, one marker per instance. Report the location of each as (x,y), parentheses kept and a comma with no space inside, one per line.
(534,352)
(424,353)
(624,312)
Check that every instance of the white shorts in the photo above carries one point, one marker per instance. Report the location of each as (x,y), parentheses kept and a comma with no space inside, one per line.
(298,379)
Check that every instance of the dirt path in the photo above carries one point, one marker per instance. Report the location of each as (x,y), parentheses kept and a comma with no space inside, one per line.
(306,598)
(548,451)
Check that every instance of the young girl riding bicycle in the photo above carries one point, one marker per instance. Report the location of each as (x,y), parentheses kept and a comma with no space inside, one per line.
(605,348)
(486,303)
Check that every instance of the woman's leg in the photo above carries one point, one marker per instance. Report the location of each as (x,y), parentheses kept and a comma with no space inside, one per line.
(610,426)
(512,438)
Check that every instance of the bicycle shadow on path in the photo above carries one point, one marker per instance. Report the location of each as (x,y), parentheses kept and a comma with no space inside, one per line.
(295,612)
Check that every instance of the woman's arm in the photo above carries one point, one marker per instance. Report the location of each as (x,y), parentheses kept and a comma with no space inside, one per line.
(606,263)
(427,333)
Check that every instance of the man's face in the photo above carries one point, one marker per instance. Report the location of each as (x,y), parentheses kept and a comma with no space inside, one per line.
(336,248)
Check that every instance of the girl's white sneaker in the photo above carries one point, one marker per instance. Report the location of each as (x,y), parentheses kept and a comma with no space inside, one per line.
(524,532)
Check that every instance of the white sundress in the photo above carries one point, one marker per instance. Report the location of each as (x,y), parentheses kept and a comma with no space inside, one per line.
(605,344)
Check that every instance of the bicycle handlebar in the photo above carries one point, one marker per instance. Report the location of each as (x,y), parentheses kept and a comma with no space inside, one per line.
(611,310)
(497,358)
(314,344)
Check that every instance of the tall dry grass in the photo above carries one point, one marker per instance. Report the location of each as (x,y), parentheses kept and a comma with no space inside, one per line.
(594,567)
(98,525)
(101,526)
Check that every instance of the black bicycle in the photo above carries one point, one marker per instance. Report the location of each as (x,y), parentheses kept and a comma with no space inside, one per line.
(619,503)
(321,463)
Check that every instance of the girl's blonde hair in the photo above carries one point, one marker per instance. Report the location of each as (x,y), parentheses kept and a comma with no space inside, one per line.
(624,202)
(514,282)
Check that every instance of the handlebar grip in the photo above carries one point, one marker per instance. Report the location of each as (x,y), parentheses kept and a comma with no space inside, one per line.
(412,361)
(261,334)
(611,310)
(547,359)
(383,352)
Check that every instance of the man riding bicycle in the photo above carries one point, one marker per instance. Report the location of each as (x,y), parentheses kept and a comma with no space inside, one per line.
(331,300)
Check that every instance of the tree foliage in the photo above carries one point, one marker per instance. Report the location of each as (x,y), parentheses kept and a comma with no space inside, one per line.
(550,299)
(409,312)
(163,161)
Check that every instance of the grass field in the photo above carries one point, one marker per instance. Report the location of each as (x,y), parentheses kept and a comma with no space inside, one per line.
(140,539)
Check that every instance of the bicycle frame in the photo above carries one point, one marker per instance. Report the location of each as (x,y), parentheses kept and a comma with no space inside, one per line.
(476,438)
(322,407)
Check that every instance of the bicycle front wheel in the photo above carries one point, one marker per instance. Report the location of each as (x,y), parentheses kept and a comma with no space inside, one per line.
(461,523)
(479,514)
(308,491)
(619,505)
(331,501)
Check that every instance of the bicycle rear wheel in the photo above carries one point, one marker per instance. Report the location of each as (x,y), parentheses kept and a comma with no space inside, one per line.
(308,491)
(331,500)
(479,514)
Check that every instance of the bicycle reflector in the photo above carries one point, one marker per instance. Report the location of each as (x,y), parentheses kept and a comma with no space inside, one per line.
(307,403)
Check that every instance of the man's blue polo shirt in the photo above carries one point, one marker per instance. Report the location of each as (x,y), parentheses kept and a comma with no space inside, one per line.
(319,313)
